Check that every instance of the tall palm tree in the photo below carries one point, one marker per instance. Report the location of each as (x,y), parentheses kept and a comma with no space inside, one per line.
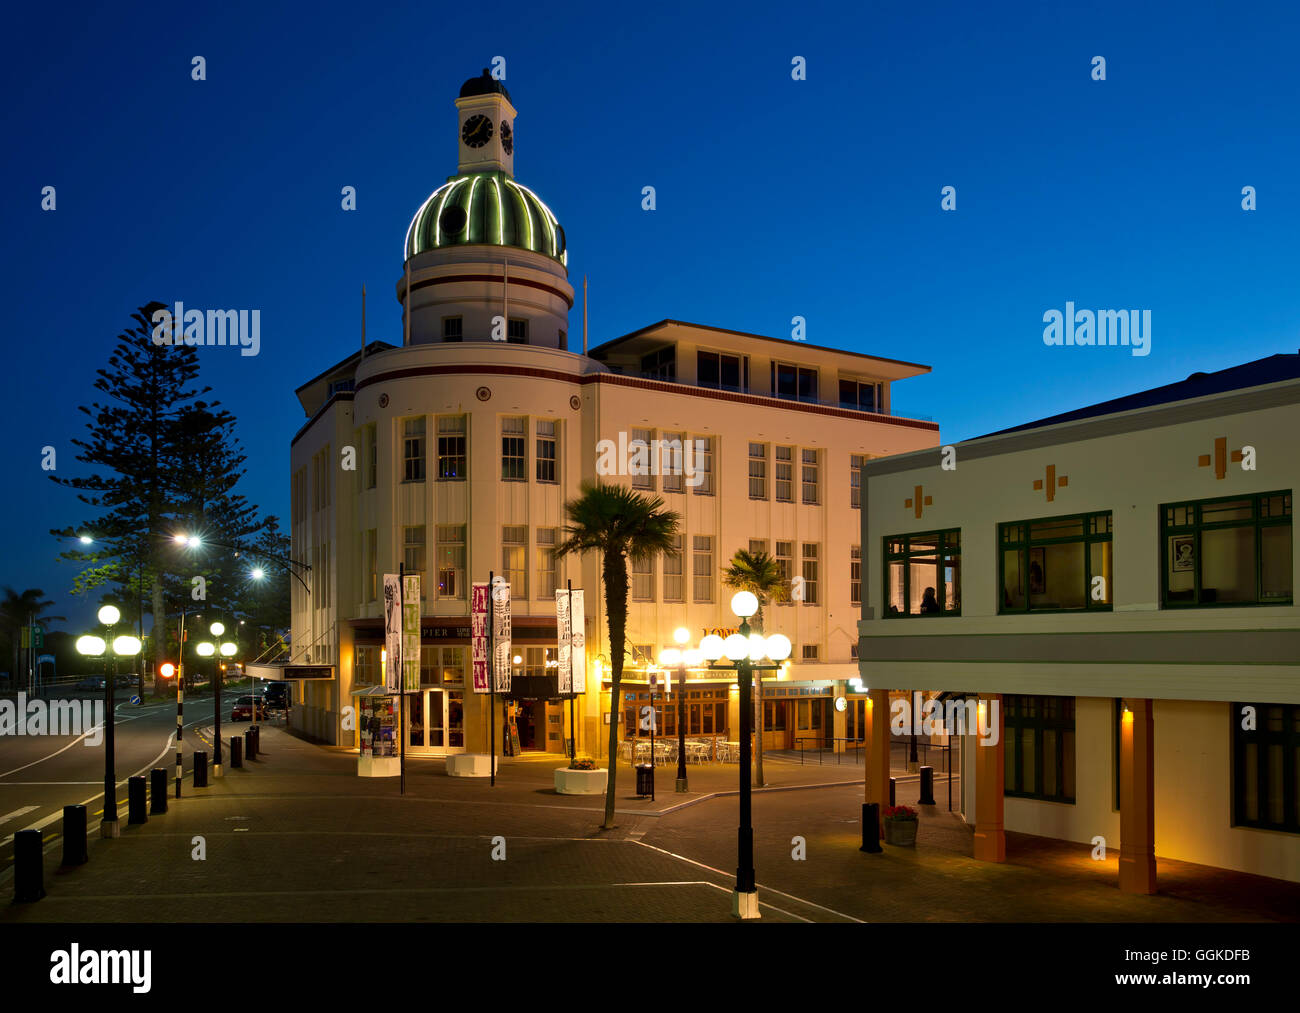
(619,524)
(760,574)
(16,611)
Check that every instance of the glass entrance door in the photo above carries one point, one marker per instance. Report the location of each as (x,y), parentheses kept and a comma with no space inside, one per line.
(435,721)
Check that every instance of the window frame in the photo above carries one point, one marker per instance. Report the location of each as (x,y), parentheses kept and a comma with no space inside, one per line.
(944,549)
(1040,723)
(1028,544)
(1262,737)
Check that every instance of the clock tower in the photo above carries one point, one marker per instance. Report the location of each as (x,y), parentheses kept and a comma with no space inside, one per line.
(487,126)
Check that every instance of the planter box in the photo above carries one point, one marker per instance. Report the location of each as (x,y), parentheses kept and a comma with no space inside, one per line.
(901,832)
(469,765)
(581,782)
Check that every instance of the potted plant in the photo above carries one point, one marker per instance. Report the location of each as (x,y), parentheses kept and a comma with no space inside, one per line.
(900,825)
(581,777)
(583,763)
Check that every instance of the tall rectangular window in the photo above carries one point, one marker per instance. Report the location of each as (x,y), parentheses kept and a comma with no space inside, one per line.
(547,442)
(704,466)
(702,569)
(451,449)
(372,565)
(452,329)
(757,545)
(856,461)
(923,574)
(1039,747)
(546,562)
(785,474)
(514,452)
(413,449)
(673,588)
(365,665)
(643,578)
(1055,565)
(861,395)
(785,562)
(810,574)
(639,464)
(797,383)
(1227,551)
(1266,767)
(722,372)
(660,364)
(517,332)
(413,555)
(514,558)
(671,450)
(758,471)
(855,575)
(810,475)
(372,455)
(451,561)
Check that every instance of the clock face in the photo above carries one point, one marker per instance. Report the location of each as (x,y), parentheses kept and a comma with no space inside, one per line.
(507,138)
(477,131)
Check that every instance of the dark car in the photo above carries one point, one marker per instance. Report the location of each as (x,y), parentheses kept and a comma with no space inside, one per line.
(92,682)
(243,709)
(278,696)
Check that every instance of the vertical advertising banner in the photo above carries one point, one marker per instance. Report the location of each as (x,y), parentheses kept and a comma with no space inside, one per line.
(563,642)
(392,631)
(411,635)
(478,635)
(501,635)
(578,641)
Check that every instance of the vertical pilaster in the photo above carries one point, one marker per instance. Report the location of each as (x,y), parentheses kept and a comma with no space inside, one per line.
(877,749)
(990,760)
(1137,810)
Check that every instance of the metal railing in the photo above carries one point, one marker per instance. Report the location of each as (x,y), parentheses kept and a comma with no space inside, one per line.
(895,745)
(821,749)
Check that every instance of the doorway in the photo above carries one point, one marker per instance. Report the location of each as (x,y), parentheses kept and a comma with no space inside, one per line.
(435,721)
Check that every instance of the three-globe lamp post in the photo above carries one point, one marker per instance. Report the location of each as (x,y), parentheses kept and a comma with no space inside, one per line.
(91,646)
(226,649)
(681,658)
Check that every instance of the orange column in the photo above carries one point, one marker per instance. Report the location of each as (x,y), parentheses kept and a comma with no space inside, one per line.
(1137,799)
(877,749)
(990,753)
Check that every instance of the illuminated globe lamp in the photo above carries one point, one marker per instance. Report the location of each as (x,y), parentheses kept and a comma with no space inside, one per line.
(711,647)
(681,635)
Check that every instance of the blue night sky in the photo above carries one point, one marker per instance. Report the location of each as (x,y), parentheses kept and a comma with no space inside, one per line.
(776,198)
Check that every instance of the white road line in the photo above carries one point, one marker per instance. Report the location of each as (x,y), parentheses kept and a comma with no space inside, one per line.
(18,812)
(67,747)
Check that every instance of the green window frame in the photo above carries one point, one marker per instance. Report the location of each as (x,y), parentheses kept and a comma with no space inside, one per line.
(915,550)
(1193,519)
(1039,740)
(1266,767)
(1028,538)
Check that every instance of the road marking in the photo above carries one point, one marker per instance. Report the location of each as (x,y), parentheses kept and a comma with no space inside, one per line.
(18,812)
(68,746)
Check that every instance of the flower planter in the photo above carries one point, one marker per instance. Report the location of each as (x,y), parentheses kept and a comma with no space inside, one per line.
(581,782)
(901,832)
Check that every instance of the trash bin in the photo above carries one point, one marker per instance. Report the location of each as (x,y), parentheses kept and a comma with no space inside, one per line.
(645,780)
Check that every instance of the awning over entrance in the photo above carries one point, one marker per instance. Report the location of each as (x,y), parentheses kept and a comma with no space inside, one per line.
(372,691)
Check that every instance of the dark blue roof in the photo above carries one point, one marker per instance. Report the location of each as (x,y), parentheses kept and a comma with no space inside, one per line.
(1274,369)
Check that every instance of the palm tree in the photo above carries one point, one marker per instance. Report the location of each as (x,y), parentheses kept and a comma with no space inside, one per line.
(619,524)
(16,611)
(760,574)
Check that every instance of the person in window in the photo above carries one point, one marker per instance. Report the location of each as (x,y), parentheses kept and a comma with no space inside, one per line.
(929,603)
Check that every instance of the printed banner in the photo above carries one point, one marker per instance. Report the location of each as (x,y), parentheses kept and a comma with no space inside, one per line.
(478,635)
(564,642)
(501,635)
(411,635)
(578,641)
(392,631)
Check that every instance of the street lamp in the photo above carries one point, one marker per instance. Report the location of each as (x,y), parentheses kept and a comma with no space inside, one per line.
(745,651)
(209,650)
(123,647)
(679,658)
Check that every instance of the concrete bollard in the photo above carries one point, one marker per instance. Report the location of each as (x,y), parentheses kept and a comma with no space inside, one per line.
(236,751)
(893,783)
(871,828)
(136,808)
(74,835)
(250,744)
(257,740)
(29,867)
(200,769)
(927,787)
(157,791)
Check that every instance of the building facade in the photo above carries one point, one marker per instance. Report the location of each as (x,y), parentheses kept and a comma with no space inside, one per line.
(1115,586)
(454,453)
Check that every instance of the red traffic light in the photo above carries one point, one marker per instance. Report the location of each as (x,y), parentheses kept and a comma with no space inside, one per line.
(166,669)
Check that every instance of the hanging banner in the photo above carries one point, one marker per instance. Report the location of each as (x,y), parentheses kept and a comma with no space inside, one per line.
(478,635)
(578,641)
(411,635)
(501,635)
(392,631)
(563,642)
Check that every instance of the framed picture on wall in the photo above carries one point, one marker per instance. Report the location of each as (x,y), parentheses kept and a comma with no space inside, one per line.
(1182,552)
(606,717)
(1037,571)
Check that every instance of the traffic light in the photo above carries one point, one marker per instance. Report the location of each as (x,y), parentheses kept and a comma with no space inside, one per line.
(166,670)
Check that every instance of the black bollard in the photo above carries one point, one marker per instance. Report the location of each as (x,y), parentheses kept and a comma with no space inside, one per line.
(892,785)
(871,828)
(927,787)
(157,791)
(74,835)
(257,740)
(200,769)
(236,753)
(136,809)
(250,744)
(29,867)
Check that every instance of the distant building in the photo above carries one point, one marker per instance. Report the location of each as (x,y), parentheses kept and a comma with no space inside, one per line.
(470,437)
(1120,580)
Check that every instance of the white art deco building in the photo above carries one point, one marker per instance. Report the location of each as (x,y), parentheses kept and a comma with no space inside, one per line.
(473,432)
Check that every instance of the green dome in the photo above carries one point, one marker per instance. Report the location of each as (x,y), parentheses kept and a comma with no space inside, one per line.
(486,208)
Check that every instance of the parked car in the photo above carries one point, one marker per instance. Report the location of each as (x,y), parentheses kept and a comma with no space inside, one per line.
(92,682)
(278,696)
(243,709)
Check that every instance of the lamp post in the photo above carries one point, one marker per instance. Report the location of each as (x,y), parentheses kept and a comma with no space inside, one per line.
(745,651)
(226,649)
(126,647)
(679,658)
